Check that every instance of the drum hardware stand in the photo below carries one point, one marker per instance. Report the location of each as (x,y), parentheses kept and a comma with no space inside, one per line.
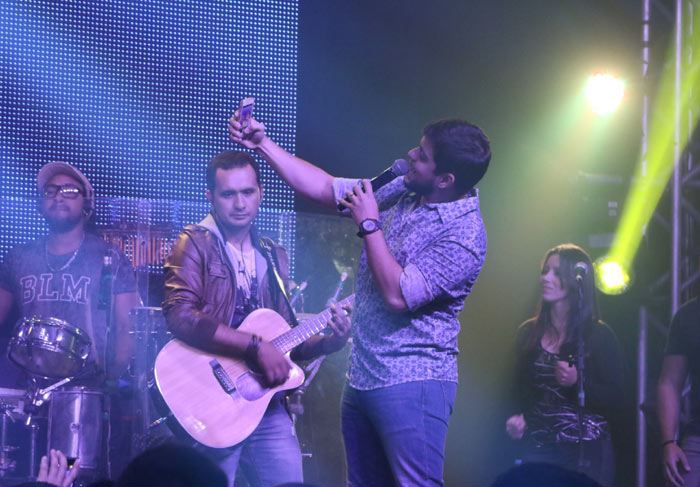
(583,462)
(145,331)
(6,464)
(6,408)
(38,396)
(32,447)
(141,387)
(294,404)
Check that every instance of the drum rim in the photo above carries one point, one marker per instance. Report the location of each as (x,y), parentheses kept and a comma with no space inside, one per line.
(45,345)
(77,354)
(37,371)
(38,319)
(75,389)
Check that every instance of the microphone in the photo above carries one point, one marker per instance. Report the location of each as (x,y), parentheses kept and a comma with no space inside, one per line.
(398,168)
(580,269)
(334,298)
(567,353)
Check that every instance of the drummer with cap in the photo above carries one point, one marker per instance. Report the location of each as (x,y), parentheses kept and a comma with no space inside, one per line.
(72,276)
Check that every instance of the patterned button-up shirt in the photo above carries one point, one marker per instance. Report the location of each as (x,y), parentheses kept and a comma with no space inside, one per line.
(441,247)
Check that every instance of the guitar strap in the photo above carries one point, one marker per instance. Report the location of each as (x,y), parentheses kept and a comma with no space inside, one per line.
(273,264)
(268,251)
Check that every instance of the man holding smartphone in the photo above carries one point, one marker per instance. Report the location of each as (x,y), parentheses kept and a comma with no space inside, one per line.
(424,246)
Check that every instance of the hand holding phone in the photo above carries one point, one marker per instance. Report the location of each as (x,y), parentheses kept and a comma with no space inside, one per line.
(245,111)
(245,130)
(56,469)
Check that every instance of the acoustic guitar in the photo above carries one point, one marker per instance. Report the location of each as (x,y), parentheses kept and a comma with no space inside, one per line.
(218,400)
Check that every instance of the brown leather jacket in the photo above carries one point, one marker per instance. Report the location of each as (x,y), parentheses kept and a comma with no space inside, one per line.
(200,284)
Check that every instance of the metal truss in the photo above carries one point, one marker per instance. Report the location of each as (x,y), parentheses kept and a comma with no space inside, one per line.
(679,218)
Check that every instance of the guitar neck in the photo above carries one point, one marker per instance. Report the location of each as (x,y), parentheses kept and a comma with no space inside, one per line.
(299,334)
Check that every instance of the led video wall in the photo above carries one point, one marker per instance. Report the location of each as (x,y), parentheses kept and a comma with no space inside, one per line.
(137,94)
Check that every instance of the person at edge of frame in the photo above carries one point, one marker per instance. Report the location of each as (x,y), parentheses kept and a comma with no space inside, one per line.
(681,453)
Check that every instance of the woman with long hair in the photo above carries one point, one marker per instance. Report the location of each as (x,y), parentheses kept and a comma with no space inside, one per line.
(549,421)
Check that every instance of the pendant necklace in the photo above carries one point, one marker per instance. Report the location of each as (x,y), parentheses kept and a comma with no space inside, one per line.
(245,270)
(70,261)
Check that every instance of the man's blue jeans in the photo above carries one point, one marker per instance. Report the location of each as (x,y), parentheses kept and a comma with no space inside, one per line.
(396,435)
(270,456)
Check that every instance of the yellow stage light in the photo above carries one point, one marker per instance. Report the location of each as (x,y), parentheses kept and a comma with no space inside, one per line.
(611,276)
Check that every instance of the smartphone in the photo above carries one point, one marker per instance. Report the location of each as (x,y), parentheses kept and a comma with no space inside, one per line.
(245,111)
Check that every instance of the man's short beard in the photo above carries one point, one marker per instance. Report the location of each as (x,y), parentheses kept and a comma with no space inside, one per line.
(63,225)
(419,189)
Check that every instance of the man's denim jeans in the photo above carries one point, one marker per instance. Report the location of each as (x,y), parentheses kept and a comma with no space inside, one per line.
(396,435)
(270,456)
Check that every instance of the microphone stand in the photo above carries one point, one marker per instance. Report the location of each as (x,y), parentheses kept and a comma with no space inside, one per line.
(334,299)
(580,373)
(297,293)
(106,303)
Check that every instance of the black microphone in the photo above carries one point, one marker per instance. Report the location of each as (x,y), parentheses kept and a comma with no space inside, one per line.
(398,168)
(568,353)
(580,269)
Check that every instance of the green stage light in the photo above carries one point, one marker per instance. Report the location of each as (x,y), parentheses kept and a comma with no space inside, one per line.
(655,167)
(604,93)
(611,276)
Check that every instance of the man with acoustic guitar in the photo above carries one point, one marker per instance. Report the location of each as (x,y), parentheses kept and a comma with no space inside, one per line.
(219,272)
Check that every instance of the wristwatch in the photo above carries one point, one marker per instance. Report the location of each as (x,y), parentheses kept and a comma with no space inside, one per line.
(367,226)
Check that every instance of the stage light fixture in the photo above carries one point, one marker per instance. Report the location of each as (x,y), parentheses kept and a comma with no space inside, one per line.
(611,276)
(604,93)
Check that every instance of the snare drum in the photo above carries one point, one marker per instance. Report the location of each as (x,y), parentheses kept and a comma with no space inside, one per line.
(49,347)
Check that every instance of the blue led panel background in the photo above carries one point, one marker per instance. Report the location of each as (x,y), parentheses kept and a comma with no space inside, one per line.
(137,95)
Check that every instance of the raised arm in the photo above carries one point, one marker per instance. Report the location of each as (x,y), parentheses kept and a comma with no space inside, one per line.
(308,180)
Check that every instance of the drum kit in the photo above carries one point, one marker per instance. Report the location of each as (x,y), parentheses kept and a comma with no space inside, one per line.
(54,355)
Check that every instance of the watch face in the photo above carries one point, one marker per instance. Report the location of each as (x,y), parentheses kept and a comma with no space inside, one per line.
(369,225)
